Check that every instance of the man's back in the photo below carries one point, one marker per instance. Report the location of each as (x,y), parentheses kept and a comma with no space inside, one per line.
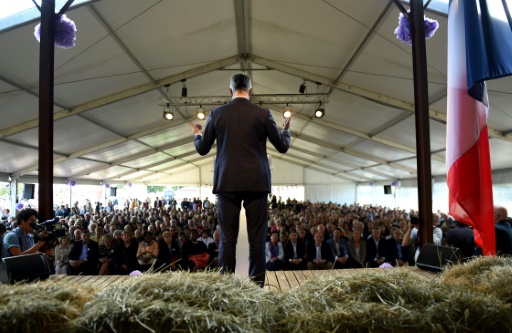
(241,129)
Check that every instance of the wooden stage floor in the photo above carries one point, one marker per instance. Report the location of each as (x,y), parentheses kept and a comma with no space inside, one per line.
(276,281)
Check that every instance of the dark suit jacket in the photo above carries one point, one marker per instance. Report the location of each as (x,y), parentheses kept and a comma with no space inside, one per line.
(341,248)
(128,256)
(93,255)
(326,251)
(241,129)
(503,238)
(168,255)
(301,251)
(463,238)
(387,249)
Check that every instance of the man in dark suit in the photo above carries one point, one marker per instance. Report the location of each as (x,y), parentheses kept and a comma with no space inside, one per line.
(84,256)
(380,250)
(319,253)
(503,231)
(295,253)
(339,249)
(462,237)
(242,171)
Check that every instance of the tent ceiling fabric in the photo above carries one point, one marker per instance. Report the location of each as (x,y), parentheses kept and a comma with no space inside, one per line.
(109,87)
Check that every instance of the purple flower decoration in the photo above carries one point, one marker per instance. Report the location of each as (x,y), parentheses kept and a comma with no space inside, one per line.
(129,185)
(371,183)
(403,31)
(19,206)
(107,185)
(385,265)
(72,183)
(393,183)
(136,273)
(430,27)
(65,32)
(7,185)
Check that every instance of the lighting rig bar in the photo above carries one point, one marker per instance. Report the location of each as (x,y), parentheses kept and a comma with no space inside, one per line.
(273,99)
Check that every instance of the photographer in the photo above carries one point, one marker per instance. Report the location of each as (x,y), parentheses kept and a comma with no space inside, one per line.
(20,240)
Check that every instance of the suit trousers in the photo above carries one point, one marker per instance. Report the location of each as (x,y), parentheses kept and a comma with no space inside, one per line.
(229,205)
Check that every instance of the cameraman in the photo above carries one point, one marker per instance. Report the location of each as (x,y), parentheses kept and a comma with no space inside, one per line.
(20,240)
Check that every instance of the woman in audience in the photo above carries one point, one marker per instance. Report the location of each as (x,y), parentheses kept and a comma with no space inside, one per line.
(107,254)
(126,255)
(147,252)
(356,250)
(62,256)
(274,253)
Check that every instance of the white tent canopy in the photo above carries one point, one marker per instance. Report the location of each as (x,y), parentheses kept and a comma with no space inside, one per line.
(110,90)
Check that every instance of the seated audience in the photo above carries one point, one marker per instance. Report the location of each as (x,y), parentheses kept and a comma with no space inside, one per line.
(338,249)
(62,256)
(379,250)
(295,253)
(126,255)
(147,252)
(107,255)
(194,254)
(356,247)
(503,231)
(462,237)
(319,253)
(169,252)
(84,255)
(274,253)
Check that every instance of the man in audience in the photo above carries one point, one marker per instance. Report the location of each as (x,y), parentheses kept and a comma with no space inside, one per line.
(379,250)
(319,253)
(84,256)
(503,231)
(462,236)
(338,249)
(295,253)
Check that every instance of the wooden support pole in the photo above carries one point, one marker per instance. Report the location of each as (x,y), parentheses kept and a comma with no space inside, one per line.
(419,59)
(46,68)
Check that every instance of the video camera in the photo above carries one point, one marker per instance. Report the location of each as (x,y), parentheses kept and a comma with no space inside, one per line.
(52,229)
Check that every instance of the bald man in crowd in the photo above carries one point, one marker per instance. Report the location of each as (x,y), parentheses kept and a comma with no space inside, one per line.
(503,231)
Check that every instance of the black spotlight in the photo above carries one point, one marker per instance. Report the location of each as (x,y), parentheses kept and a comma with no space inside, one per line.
(302,88)
(184,89)
(320,111)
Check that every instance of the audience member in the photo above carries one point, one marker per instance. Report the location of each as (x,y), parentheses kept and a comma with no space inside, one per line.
(62,256)
(319,253)
(503,231)
(356,247)
(295,253)
(84,255)
(274,253)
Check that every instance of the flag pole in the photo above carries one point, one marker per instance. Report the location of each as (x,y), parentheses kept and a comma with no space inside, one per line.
(421,105)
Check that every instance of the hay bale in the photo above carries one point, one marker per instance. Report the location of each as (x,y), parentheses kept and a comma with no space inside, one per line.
(473,297)
(43,307)
(486,275)
(179,301)
(394,301)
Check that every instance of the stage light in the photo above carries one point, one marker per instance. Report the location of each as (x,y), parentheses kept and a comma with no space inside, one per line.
(287,111)
(302,88)
(184,89)
(200,114)
(320,111)
(168,113)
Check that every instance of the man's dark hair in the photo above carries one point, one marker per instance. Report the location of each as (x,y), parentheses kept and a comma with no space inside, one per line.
(3,228)
(240,82)
(25,214)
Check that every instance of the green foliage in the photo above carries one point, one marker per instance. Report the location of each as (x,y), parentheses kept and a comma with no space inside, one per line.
(156,189)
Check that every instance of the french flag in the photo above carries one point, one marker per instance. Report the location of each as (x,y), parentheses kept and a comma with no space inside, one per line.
(479,49)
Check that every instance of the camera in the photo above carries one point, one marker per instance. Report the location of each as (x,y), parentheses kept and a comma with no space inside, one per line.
(48,231)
